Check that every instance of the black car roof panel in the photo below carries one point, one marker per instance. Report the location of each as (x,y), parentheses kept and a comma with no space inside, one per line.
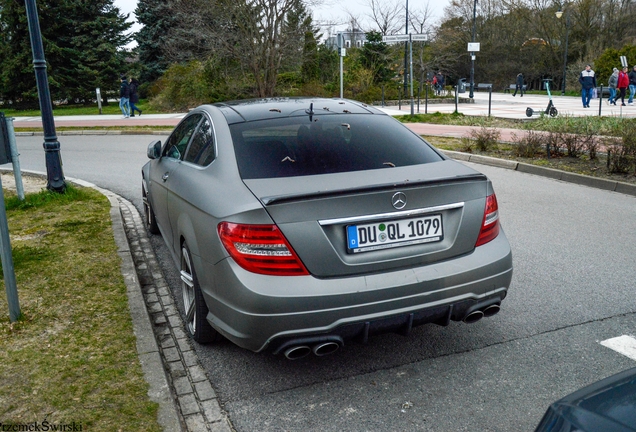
(262,109)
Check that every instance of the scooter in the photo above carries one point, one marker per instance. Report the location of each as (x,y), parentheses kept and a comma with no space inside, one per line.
(550,109)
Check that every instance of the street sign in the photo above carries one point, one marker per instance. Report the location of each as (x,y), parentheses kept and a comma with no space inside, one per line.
(624,61)
(419,37)
(395,38)
(414,37)
(473,46)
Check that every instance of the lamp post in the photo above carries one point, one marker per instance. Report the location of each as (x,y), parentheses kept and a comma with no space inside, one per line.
(406,50)
(559,14)
(472,54)
(54,174)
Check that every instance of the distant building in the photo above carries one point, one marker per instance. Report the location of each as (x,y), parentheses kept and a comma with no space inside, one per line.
(352,38)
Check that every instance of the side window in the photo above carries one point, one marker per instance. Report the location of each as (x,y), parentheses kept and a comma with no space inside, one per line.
(201,150)
(178,141)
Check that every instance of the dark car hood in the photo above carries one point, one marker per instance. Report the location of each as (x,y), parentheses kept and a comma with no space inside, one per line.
(608,405)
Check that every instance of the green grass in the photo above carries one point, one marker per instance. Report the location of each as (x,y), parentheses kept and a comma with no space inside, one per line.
(72,356)
(72,110)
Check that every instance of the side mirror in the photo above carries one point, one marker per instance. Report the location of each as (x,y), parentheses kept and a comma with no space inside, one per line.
(154,150)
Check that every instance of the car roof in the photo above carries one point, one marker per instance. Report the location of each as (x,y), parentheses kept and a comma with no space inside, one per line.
(272,108)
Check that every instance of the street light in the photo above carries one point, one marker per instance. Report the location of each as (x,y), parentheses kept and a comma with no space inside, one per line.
(559,14)
(406,50)
(472,54)
(54,174)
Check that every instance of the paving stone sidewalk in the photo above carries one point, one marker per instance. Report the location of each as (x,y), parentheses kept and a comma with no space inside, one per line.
(198,406)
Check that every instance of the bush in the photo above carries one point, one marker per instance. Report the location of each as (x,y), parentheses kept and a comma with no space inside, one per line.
(571,142)
(621,151)
(485,138)
(467,145)
(529,144)
(553,140)
(618,158)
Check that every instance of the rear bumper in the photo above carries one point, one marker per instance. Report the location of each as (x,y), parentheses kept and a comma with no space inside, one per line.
(264,312)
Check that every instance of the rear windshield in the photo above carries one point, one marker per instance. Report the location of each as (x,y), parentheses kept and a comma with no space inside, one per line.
(298,146)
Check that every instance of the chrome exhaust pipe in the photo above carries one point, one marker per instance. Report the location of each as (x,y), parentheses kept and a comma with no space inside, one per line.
(491,310)
(473,317)
(297,352)
(325,348)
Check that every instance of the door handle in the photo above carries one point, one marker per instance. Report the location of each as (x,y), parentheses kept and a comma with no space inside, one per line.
(165,176)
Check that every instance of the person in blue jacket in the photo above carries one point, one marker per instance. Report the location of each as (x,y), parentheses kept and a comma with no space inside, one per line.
(588,84)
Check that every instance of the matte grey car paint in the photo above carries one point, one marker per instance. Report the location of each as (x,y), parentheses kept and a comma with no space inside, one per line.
(254,310)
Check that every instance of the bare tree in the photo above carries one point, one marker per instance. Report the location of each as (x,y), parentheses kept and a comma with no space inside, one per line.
(255,34)
(387,16)
(420,19)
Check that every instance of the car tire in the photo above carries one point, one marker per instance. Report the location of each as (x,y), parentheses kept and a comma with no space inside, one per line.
(193,303)
(149,214)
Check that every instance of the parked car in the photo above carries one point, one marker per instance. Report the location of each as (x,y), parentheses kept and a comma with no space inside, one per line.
(300,223)
(608,405)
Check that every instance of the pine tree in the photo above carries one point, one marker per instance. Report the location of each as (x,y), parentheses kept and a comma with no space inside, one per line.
(376,57)
(82,46)
(157,18)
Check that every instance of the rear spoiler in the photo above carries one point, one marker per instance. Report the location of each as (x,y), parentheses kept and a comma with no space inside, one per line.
(280,199)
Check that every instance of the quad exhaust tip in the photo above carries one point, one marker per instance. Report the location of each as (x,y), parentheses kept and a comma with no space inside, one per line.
(325,348)
(302,347)
(491,310)
(481,312)
(297,352)
(473,317)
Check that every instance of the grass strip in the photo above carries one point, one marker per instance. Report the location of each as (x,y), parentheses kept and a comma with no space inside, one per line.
(578,165)
(71,358)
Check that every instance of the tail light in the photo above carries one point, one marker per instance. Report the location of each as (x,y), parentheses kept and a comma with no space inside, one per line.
(490,224)
(260,249)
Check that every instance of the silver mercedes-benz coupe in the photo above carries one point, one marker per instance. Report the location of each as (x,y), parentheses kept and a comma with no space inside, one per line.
(301,223)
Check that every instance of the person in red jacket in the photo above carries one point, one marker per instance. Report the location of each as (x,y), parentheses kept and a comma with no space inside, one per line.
(623,83)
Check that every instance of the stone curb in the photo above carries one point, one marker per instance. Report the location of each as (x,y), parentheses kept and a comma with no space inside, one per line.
(198,405)
(580,179)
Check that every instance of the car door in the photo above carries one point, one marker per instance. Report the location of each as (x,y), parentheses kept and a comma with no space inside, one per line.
(189,181)
(172,155)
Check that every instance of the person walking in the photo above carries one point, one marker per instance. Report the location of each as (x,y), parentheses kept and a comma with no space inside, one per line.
(124,97)
(588,84)
(519,84)
(612,83)
(134,96)
(632,86)
(440,83)
(623,83)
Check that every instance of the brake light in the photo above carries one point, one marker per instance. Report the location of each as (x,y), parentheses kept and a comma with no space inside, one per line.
(490,224)
(260,249)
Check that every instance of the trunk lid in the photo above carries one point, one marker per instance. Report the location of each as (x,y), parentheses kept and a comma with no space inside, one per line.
(345,224)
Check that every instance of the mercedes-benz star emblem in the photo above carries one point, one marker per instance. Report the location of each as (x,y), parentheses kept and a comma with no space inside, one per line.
(399,200)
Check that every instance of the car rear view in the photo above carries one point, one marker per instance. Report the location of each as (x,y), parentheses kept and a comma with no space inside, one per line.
(371,230)
(302,224)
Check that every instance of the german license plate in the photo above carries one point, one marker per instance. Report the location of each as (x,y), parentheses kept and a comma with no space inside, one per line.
(397,233)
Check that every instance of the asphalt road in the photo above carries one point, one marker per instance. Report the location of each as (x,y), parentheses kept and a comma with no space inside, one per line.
(573,287)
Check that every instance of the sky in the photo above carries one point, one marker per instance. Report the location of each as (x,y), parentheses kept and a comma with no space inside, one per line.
(335,11)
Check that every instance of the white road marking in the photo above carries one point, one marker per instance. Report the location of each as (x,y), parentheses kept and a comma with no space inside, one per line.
(625,345)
